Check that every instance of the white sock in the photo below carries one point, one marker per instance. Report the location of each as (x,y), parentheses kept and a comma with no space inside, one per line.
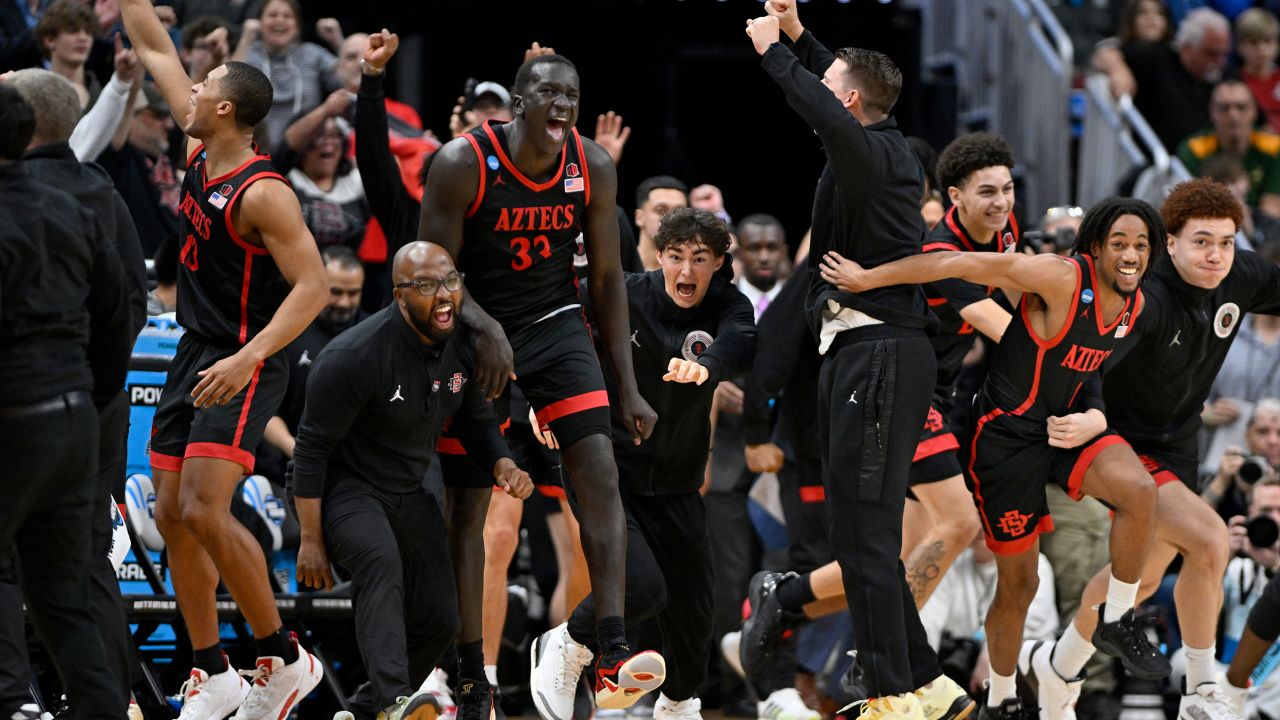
(1071,653)
(1121,597)
(491,674)
(1200,667)
(1002,688)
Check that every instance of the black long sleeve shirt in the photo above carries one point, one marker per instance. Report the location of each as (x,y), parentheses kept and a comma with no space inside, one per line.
(867,203)
(786,369)
(720,333)
(57,165)
(377,399)
(1184,334)
(395,209)
(64,314)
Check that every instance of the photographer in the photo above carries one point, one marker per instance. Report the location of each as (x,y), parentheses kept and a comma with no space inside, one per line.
(1251,611)
(1239,470)
(1056,232)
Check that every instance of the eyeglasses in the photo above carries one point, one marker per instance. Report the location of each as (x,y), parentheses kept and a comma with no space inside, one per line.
(452,282)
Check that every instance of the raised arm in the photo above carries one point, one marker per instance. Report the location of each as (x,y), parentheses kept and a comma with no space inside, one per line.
(158,55)
(277,220)
(608,292)
(449,192)
(1049,276)
(389,201)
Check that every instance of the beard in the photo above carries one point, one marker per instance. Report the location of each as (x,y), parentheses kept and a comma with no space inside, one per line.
(428,328)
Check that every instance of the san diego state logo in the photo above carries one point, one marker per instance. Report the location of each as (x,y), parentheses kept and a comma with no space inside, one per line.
(455,383)
(695,343)
(1224,321)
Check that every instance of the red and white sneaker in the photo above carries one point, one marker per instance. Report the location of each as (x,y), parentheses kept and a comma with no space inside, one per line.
(623,677)
(212,697)
(276,687)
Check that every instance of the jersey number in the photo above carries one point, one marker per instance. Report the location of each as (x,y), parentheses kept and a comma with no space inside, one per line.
(520,245)
(190,254)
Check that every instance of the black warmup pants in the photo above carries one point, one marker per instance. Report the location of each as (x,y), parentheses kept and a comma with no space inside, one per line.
(872,404)
(396,549)
(104,588)
(670,578)
(47,481)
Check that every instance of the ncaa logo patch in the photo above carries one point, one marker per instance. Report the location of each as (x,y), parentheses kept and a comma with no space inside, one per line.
(492,162)
(1225,320)
(695,343)
(1086,296)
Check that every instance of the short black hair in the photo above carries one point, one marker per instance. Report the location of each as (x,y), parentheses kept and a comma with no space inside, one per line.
(928,158)
(17,124)
(970,153)
(249,89)
(874,75)
(1098,221)
(658,182)
(692,225)
(202,26)
(763,220)
(343,256)
(525,74)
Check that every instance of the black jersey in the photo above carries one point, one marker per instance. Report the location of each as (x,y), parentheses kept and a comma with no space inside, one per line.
(520,236)
(948,297)
(228,290)
(1031,378)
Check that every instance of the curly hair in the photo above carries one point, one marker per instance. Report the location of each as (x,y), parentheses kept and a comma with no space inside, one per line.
(1204,199)
(692,225)
(1098,221)
(64,16)
(968,154)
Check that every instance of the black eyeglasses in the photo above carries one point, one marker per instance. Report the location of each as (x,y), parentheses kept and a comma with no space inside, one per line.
(452,282)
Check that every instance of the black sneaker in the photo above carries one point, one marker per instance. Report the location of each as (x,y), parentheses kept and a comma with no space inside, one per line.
(1123,639)
(474,699)
(763,628)
(1011,709)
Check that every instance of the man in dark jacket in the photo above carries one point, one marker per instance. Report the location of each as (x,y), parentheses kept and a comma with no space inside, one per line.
(690,329)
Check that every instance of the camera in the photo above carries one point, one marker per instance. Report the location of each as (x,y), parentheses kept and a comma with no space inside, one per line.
(1255,468)
(1262,531)
(957,656)
(1064,238)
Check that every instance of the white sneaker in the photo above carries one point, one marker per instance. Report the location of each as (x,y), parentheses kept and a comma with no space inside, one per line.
(1055,696)
(1237,697)
(785,704)
(557,664)
(277,687)
(212,697)
(729,645)
(667,709)
(1208,702)
(437,683)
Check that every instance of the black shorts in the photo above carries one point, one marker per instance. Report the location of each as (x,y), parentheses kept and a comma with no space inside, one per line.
(231,432)
(935,459)
(1171,462)
(1007,474)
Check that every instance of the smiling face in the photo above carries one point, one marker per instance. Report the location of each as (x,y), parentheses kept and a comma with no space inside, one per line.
(1121,258)
(279,25)
(1204,251)
(984,201)
(548,104)
(687,269)
(320,159)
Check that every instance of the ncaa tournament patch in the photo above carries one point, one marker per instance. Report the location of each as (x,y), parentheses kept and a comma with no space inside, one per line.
(492,162)
(695,343)
(1086,296)
(1225,320)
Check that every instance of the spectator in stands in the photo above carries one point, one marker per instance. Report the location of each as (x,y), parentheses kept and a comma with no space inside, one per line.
(142,171)
(1244,584)
(1258,229)
(65,35)
(762,246)
(655,197)
(206,44)
(1258,44)
(108,120)
(1171,85)
(301,73)
(1233,112)
(1230,490)
(314,156)
(491,101)
(235,12)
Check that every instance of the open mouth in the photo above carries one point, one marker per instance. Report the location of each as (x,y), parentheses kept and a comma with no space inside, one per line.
(556,128)
(442,315)
(1129,272)
(686,290)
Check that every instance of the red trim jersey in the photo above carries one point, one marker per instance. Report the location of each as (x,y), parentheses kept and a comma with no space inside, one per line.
(1031,378)
(947,297)
(520,236)
(228,289)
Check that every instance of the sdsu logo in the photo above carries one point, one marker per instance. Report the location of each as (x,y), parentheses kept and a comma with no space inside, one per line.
(456,382)
(1224,321)
(695,343)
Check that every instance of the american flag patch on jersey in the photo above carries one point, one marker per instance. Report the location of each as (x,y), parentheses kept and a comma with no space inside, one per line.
(218,200)
(574,184)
